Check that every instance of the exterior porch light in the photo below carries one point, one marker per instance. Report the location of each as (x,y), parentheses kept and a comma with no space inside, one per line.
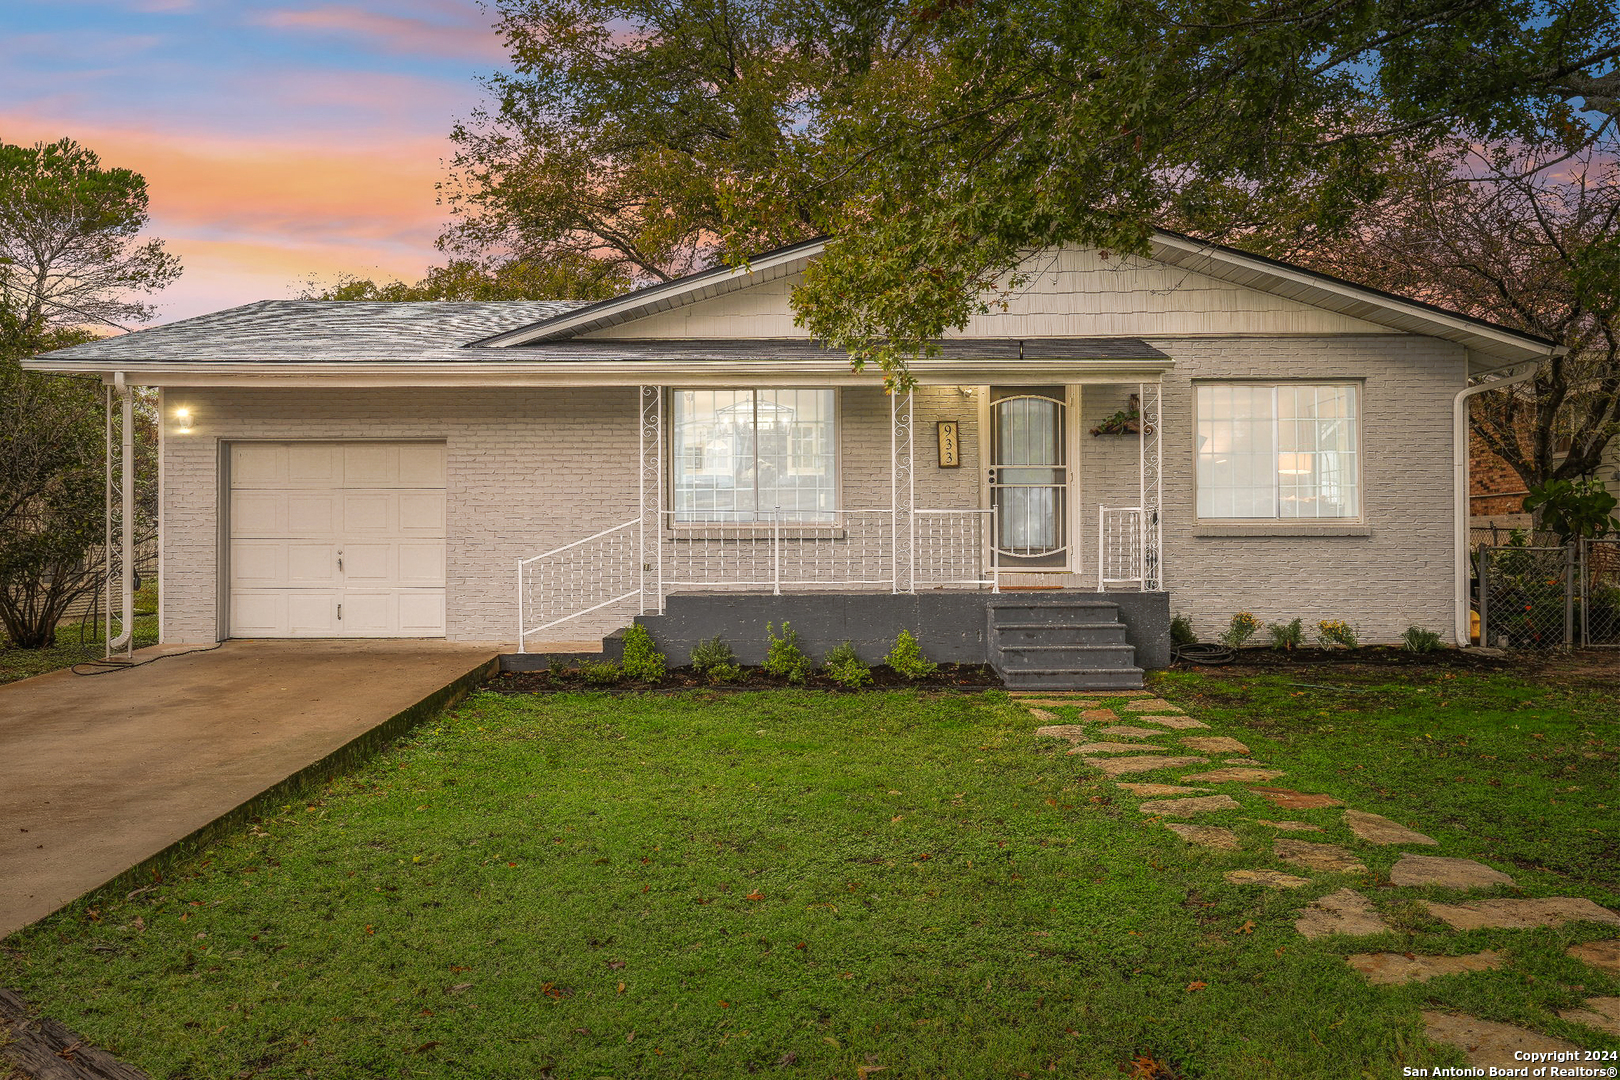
(182,419)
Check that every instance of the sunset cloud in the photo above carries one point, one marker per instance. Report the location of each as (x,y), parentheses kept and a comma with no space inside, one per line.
(393,32)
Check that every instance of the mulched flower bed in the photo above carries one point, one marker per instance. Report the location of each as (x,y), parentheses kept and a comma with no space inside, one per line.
(571,680)
(1263,658)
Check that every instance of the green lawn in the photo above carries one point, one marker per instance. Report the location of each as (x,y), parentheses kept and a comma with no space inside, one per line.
(69,650)
(812,885)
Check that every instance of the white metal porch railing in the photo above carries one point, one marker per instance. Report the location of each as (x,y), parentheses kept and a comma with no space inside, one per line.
(632,568)
(1121,557)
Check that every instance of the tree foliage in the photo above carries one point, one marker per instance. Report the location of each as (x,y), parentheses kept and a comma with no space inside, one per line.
(72,258)
(938,143)
(567,276)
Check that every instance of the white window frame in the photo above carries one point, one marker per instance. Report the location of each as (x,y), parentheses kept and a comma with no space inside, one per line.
(1278,522)
(833,524)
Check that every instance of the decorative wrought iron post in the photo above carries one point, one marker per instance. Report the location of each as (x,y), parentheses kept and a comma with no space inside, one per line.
(650,541)
(1150,477)
(902,491)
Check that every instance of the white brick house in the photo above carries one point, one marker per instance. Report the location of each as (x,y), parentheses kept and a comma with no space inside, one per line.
(363,469)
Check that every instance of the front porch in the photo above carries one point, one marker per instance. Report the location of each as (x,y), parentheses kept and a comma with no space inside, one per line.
(979,492)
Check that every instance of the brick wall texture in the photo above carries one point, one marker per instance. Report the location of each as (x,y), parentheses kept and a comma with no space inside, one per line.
(533,469)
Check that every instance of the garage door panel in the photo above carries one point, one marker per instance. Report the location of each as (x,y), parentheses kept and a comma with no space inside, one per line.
(337,539)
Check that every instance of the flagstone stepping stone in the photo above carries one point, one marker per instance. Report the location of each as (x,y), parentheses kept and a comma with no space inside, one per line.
(1330,858)
(1064,731)
(1342,912)
(1154,705)
(1272,879)
(1487,1042)
(1445,873)
(1285,799)
(1099,716)
(1289,826)
(1394,969)
(1381,830)
(1235,776)
(1522,914)
(1171,721)
(1125,731)
(1043,715)
(1242,761)
(1059,703)
(1157,789)
(1116,748)
(1602,1013)
(1130,693)
(1124,766)
(1210,836)
(1214,744)
(1600,954)
(1182,807)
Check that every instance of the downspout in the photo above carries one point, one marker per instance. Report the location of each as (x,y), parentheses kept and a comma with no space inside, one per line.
(127,461)
(1460,510)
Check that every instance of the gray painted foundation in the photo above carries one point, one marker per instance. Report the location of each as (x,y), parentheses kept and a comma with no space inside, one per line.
(952,627)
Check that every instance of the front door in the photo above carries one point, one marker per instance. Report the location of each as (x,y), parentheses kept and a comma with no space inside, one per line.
(1028,477)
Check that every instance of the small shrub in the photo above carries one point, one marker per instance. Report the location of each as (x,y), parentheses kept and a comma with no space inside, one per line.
(642,660)
(1418,640)
(556,669)
(1337,632)
(1181,631)
(783,657)
(725,672)
(907,658)
(846,669)
(711,653)
(1287,636)
(607,673)
(1244,626)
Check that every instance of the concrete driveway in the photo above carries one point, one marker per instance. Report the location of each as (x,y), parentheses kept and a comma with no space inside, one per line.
(98,774)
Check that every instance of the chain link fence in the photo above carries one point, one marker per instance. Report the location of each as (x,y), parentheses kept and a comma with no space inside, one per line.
(1599,574)
(1548,596)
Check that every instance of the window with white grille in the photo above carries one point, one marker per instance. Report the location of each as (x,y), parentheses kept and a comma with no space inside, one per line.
(748,455)
(1282,451)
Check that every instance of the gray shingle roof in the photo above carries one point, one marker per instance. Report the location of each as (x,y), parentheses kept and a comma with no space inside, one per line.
(322,331)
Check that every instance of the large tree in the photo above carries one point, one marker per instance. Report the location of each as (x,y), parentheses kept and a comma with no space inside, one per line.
(563,276)
(1527,237)
(937,142)
(72,261)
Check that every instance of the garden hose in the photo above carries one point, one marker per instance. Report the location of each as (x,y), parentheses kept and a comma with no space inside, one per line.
(1207,653)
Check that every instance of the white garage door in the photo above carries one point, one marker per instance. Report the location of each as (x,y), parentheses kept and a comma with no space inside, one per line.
(337,539)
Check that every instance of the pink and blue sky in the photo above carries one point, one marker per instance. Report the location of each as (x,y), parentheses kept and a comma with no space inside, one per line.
(280,141)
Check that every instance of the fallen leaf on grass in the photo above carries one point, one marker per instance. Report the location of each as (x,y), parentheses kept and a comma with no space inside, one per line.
(621,988)
(615,965)
(832,1042)
(1247,927)
(425,1047)
(459,987)
(1192,986)
(755,895)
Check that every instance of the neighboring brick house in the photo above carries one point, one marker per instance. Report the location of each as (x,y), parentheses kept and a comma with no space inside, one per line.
(1267,439)
(1496,492)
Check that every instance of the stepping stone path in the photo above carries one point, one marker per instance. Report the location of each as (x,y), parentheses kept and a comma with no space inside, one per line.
(1153,705)
(1604,955)
(1602,1013)
(1182,807)
(1329,858)
(1115,748)
(1289,826)
(1445,873)
(1064,731)
(1157,789)
(1125,731)
(1235,776)
(1274,879)
(1394,969)
(1214,744)
(1178,722)
(1521,914)
(1124,766)
(1284,799)
(1381,830)
(1344,911)
(1210,836)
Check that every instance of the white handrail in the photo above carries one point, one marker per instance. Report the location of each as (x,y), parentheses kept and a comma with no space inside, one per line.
(576,543)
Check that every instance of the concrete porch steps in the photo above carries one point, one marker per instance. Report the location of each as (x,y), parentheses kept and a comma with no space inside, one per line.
(1061,645)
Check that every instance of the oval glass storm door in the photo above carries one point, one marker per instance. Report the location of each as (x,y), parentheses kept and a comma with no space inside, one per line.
(1029,478)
